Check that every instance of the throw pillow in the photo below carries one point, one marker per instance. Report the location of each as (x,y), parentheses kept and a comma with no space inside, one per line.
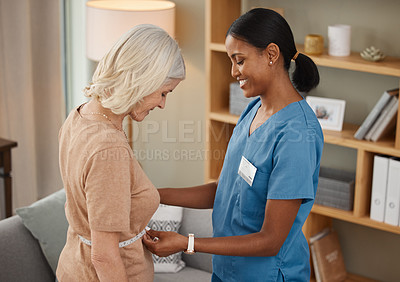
(46,220)
(167,218)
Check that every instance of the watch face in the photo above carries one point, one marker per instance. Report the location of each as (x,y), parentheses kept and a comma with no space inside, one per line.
(190,248)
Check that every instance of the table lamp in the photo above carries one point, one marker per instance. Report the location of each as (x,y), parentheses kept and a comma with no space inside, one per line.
(107,20)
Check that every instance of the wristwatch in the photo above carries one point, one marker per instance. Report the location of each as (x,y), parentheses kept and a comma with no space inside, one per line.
(190,248)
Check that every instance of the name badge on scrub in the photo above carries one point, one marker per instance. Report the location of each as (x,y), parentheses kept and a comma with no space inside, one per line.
(247,171)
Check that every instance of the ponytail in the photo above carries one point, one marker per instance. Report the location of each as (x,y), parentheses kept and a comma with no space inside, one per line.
(305,76)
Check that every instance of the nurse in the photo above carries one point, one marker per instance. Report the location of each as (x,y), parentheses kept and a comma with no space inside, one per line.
(269,178)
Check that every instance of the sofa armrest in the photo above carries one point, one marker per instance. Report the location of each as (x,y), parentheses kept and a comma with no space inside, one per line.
(21,257)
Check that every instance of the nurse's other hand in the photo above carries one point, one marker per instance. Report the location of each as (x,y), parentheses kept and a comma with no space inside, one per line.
(164,243)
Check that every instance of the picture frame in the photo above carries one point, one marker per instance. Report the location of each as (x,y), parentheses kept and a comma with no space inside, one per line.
(330,112)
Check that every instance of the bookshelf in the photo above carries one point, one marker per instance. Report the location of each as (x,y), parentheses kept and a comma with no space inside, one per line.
(220,123)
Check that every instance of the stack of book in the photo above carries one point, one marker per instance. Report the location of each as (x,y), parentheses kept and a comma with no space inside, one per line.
(382,119)
(327,257)
(385,197)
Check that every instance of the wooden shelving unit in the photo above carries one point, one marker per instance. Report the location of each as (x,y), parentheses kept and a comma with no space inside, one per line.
(366,150)
(220,123)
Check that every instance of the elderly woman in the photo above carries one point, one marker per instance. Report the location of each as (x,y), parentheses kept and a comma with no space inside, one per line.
(109,198)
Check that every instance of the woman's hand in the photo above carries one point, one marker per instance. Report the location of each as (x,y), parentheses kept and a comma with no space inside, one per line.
(164,243)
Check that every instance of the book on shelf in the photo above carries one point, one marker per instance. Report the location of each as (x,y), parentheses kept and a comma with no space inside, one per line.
(379,187)
(392,209)
(327,256)
(375,112)
(385,122)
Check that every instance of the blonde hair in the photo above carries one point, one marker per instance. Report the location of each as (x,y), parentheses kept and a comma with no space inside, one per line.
(143,60)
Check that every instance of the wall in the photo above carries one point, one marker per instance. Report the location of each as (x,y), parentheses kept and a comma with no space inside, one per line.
(169,143)
(367,251)
(78,67)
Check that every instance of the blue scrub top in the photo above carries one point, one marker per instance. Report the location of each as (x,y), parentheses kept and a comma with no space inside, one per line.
(286,150)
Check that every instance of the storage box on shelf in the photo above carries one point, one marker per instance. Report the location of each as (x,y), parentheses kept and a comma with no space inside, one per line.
(335,189)
(219,15)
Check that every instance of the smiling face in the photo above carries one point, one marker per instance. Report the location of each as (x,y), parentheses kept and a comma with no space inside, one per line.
(156,99)
(250,66)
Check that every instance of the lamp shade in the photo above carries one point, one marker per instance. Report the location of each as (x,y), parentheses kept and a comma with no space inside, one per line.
(106,21)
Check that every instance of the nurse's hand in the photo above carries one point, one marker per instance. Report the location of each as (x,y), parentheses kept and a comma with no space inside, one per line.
(164,243)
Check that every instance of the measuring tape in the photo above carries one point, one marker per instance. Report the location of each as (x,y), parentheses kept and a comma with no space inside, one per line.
(121,244)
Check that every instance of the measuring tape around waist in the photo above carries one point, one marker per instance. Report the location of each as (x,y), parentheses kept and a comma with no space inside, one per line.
(121,244)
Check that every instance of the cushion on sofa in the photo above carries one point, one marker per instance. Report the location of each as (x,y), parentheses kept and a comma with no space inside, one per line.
(167,218)
(46,220)
(187,274)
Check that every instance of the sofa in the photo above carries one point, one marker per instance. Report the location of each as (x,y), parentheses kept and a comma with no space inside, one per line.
(30,243)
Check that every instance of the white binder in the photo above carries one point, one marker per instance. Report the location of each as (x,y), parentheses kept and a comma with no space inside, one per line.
(392,211)
(379,187)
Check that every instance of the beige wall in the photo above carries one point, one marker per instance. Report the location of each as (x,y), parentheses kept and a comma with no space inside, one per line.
(367,251)
(170,143)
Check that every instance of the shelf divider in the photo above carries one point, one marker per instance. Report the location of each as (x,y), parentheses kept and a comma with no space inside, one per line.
(219,47)
(362,191)
(350,217)
(397,141)
(346,138)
